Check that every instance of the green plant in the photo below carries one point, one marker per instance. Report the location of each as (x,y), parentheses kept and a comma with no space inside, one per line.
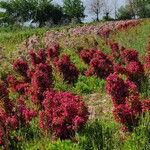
(99,135)
(89,84)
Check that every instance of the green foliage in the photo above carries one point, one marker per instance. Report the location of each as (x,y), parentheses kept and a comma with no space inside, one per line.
(139,8)
(46,144)
(140,139)
(20,11)
(142,8)
(89,84)
(124,13)
(99,135)
(74,9)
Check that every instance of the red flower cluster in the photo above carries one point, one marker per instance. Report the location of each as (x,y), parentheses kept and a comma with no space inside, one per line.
(68,70)
(21,67)
(64,113)
(60,113)
(24,114)
(21,86)
(146,105)
(7,124)
(13,114)
(34,80)
(133,68)
(130,55)
(53,52)
(87,54)
(37,58)
(117,88)
(100,65)
(127,104)
(41,81)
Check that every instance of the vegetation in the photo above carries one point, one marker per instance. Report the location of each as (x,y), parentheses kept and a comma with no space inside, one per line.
(78,87)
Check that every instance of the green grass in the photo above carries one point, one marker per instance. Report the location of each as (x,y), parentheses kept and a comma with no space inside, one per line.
(101,134)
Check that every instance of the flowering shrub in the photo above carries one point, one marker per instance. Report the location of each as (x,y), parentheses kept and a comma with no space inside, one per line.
(134,68)
(37,58)
(128,106)
(59,113)
(35,79)
(116,51)
(13,114)
(21,67)
(41,80)
(130,55)
(64,113)
(146,105)
(87,55)
(117,88)
(100,65)
(53,52)
(68,70)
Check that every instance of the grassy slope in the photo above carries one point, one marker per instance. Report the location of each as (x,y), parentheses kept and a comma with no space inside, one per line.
(107,129)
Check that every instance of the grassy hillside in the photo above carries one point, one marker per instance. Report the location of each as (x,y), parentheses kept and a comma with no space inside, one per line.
(102,131)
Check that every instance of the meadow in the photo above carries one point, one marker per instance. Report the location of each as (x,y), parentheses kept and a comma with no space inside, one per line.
(83,87)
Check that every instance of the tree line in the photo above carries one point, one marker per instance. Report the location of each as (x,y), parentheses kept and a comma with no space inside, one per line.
(43,12)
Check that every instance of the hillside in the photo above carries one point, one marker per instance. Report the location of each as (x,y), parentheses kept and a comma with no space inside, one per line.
(83,87)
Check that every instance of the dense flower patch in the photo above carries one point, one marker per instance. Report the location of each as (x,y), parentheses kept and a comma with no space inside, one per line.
(13,115)
(124,74)
(67,69)
(64,113)
(99,63)
(126,99)
(60,114)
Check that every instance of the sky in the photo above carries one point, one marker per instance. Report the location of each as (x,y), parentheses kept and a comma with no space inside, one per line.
(89,16)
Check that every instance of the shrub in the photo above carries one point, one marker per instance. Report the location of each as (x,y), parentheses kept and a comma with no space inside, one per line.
(68,70)
(87,54)
(63,115)
(100,65)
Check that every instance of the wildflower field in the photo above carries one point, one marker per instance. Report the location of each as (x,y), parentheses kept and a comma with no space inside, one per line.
(84,87)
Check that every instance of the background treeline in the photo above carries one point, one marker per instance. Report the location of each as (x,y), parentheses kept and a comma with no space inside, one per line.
(48,13)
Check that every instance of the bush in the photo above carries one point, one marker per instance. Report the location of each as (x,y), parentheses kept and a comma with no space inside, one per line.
(63,115)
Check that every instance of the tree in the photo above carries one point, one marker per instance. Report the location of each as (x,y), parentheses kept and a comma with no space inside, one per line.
(41,11)
(142,8)
(74,9)
(107,10)
(96,7)
(124,13)
(132,8)
(138,8)
(18,10)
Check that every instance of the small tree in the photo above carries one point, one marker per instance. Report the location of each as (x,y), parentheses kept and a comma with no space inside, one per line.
(96,7)
(124,13)
(74,9)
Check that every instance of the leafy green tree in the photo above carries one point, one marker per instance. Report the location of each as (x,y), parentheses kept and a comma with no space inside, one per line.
(74,9)
(41,11)
(139,8)
(124,13)
(142,8)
